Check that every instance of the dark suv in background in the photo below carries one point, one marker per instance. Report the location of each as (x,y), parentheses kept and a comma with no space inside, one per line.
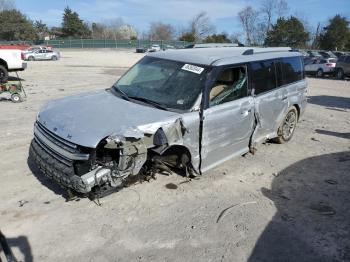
(342,67)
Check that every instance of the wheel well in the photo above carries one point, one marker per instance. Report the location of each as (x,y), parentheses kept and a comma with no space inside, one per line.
(298,109)
(3,63)
(177,150)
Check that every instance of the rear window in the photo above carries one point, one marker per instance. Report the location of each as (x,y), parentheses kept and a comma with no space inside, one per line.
(263,76)
(332,60)
(292,70)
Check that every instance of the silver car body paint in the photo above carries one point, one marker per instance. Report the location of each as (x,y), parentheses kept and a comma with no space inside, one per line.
(227,130)
(88,118)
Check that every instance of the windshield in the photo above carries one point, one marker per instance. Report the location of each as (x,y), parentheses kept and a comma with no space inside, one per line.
(171,84)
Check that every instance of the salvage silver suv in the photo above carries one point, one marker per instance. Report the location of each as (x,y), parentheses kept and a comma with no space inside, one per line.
(188,110)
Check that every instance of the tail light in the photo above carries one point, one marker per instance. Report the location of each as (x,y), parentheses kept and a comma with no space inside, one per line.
(22,56)
(330,65)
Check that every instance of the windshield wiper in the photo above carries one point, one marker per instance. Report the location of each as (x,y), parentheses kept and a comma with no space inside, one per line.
(148,101)
(122,93)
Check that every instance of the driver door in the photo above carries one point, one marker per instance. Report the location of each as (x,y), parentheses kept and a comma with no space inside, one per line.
(228,122)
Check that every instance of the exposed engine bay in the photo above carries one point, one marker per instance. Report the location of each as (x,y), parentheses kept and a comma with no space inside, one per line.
(116,162)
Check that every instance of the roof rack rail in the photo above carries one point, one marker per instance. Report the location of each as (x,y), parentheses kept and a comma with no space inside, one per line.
(266,50)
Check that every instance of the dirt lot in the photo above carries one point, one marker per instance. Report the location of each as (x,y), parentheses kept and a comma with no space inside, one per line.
(286,203)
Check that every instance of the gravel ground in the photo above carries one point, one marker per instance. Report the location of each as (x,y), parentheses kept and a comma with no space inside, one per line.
(287,202)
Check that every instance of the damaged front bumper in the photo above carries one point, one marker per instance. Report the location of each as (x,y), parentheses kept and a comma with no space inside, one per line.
(85,170)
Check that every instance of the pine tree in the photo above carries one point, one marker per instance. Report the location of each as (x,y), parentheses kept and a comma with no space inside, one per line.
(287,32)
(73,26)
(336,34)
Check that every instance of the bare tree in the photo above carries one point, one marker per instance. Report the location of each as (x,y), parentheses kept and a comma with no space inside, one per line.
(160,31)
(235,37)
(281,8)
(316,38)
(248,17)
(268,9)
(6,5)
(201,26)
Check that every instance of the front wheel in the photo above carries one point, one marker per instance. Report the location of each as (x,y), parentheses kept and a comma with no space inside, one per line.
(3,74)
(54,58)
(31,58)
(319,73)
(286,130)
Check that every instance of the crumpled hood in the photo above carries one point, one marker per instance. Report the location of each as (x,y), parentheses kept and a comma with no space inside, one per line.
(86,119)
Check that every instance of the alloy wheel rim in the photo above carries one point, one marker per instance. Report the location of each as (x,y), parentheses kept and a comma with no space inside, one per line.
(289,125)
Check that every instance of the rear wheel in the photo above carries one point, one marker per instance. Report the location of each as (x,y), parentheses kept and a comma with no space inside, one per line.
(3,74)
(31,58)
(319,73)
(286,130)
(54,58)
(340,73)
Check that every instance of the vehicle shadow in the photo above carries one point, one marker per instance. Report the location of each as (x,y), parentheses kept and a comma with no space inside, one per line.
(15,78)
(20,242)
(330,101)
(45,181)
(332,133)
(313,209)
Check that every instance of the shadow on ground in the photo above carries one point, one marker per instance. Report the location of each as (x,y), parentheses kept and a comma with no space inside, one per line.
(332,133)
(312,223)
(21,243)
(330,101)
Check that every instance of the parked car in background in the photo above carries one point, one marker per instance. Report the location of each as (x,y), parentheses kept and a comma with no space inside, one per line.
(320,67)
(327,54)
(342,67)
(141,49)
(10,60)
(154,48)
(213,45)
(338,53)
(36,48)
(42,54)
(168,47)
(313,53)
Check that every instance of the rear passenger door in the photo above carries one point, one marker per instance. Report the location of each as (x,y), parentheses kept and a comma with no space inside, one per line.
(40,55)
(271,102)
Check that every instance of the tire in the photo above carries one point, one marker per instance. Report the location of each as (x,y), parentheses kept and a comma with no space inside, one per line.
(31,58)
(54,58)
(319,73)
(16,98)
(286,130)
(340,74)
(4,75)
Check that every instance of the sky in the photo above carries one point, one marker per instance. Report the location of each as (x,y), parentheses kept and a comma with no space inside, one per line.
(140,13)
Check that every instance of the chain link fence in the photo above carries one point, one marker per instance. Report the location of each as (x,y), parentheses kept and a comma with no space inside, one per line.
(102,43)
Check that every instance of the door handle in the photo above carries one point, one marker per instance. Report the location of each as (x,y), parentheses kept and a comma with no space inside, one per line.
(245,112)
(284,98)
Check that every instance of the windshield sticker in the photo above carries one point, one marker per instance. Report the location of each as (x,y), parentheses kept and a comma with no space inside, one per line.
(192,68)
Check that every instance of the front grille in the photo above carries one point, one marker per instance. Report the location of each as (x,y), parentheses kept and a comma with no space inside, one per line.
(62,150)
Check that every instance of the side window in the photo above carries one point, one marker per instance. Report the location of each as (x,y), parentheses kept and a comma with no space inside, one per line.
(292,70)
(263,76)
(230,85)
